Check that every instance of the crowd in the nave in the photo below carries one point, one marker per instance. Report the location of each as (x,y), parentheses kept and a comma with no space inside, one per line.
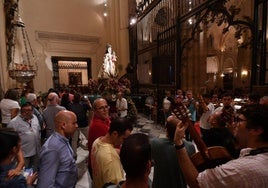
(211,140)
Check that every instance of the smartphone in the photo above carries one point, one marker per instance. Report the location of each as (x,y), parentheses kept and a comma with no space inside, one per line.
(27,172)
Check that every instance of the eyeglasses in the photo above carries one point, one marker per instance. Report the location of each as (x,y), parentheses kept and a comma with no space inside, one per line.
(238,119)
(103,107)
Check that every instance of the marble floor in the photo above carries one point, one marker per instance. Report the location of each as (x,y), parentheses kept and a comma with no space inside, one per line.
(145,125)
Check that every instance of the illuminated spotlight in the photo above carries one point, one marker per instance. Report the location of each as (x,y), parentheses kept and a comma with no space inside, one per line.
(105,14)
(190,21)
(133,21)
(244,73)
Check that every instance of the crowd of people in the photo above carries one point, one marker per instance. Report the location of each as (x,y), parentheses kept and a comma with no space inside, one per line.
(39,141)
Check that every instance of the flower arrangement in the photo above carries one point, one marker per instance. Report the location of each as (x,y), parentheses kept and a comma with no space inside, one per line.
(108,85)
(93,85)
(124,82)
(112,86)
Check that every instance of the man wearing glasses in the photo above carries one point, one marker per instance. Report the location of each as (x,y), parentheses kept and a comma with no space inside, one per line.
(99,125)
(249,170)
(28,128)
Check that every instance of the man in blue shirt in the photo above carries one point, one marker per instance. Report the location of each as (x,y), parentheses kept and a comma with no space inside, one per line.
(57,167)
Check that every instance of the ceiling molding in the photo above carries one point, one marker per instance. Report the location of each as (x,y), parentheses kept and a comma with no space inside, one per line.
(68,43)
(44,35)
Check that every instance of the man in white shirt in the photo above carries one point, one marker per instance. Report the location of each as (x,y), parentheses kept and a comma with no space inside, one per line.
(227,100)
(121,105)
(206,108)
(28,128)
(9,106)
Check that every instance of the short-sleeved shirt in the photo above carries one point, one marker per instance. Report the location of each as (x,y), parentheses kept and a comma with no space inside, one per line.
(204,117)
(98,127)
(106,165)
(167,172)
(29,133)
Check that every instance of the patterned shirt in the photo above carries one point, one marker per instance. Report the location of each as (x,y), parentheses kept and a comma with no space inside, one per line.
(247,171)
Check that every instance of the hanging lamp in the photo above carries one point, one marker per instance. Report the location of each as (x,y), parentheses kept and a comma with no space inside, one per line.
(22,67)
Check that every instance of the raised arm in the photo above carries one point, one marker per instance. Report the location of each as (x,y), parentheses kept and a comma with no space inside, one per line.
(189,171)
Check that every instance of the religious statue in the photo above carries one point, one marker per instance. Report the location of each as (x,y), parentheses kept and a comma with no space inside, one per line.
(108,69)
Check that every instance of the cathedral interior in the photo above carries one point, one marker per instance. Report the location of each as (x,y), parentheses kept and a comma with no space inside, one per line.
(202,45)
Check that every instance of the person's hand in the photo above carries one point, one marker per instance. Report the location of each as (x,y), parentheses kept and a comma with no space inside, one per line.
(180,132)
(13,172)
(31,178)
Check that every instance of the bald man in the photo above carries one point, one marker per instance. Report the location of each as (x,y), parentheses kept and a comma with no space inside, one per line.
(50,111)
(264,100)
(99,125)
(57,167)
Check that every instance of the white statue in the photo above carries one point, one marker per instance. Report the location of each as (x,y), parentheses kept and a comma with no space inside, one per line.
(108,69)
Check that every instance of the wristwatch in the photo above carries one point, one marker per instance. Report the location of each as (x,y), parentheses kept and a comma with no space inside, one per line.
(178,147)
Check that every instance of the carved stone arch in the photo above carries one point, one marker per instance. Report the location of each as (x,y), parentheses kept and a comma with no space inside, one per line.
(228,65)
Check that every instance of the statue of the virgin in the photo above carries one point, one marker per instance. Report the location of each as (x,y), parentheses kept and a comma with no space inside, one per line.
(108,69)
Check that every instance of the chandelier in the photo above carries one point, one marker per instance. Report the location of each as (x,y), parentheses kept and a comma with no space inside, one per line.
(22,64)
